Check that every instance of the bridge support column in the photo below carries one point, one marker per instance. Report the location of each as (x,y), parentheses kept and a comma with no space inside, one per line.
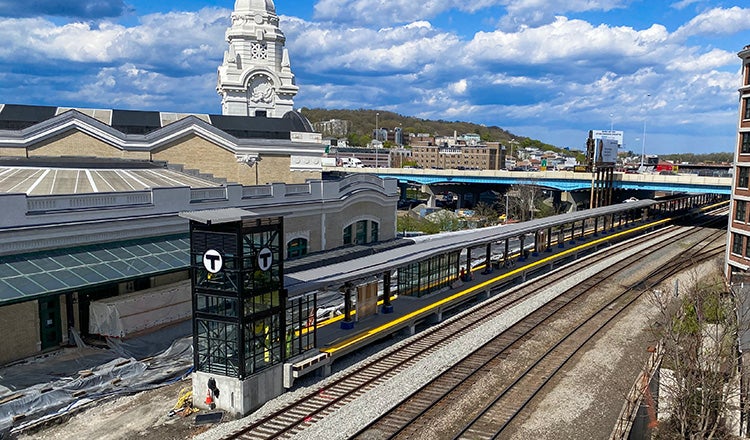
(402,187)
(557,201)
(431,202)
(387,306)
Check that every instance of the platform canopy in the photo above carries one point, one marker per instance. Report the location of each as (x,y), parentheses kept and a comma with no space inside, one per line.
(27,276)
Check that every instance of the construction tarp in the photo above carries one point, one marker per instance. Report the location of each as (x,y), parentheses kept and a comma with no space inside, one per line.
(20,408)
(124,315)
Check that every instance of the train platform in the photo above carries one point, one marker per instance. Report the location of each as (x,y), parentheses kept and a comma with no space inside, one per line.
(335,340)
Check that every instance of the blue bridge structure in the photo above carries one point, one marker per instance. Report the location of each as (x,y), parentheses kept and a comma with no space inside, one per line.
(565,181)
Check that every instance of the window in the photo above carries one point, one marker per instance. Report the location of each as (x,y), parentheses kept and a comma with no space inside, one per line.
(747,108)
(745,146)
(296,248)
(747,248)
(739,213)
(737,243)
(742,177)
(374,234)
(361,232)
(348,235)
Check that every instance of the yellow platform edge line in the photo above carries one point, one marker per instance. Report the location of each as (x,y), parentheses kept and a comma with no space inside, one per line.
(479,286)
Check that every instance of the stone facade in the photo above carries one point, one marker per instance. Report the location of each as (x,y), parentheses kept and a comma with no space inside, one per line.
(255,75)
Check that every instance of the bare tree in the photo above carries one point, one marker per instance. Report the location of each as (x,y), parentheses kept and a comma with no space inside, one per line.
(523,200)
(698,330)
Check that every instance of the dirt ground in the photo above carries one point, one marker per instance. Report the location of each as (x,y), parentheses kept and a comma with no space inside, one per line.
(143,416)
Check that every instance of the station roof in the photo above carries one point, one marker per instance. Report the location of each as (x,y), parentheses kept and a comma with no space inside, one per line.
(431,245)
(47,178)
(218,216)
(28,276)
(138,122)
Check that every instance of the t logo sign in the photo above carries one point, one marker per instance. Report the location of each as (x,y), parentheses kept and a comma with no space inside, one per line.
(265,259)
(212,261)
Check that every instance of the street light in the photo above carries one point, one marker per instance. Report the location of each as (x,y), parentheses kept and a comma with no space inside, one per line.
(643,139)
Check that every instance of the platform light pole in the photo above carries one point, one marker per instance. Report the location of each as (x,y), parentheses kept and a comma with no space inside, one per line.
(643,139)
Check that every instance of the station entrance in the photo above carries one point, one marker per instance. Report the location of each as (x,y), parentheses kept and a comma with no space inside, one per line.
(244,327)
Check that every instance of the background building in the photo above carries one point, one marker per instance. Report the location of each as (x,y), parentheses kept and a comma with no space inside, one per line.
(738,246)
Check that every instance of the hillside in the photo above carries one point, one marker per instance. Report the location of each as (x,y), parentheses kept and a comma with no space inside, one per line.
(363,123)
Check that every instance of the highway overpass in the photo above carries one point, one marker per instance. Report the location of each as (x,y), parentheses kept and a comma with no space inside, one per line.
(559,180)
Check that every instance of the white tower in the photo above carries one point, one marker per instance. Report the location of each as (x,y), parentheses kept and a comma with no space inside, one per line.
(255,76)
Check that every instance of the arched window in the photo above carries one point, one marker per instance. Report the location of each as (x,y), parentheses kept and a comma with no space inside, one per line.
(361,232)
(296,248)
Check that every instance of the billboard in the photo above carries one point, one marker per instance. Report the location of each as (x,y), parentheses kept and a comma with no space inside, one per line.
(606,151)
(608,134)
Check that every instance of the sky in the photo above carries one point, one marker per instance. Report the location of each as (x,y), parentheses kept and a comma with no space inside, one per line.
(664,72)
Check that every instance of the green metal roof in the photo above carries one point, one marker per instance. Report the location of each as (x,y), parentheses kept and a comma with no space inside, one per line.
(28,276)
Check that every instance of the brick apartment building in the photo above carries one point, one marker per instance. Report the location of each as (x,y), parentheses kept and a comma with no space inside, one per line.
(738,245)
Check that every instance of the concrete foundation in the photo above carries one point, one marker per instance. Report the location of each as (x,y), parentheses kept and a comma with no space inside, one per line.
(239,397)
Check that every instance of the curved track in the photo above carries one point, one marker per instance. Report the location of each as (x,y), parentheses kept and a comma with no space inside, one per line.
(309,409)
(416,414)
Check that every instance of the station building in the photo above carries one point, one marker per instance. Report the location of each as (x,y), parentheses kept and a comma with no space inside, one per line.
(91,240)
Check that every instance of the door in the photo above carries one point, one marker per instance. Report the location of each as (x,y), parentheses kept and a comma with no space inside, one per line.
(49,317)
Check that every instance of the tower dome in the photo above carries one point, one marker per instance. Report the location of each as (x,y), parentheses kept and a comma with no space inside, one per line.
(254,5)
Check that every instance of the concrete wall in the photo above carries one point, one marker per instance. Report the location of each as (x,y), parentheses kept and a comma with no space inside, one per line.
(19,327)
(237,397)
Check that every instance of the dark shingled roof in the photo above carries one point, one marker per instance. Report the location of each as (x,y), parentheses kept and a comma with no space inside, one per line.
(136,122)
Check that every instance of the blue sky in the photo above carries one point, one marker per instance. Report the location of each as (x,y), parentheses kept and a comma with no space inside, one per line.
(546,69)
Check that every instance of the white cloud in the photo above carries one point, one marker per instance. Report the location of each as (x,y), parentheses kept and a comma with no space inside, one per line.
(459,87)
(717,21)
(573,41)
(159,40)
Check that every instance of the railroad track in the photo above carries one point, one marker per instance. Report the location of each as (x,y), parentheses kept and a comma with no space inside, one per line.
(311,408)
(418,413)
